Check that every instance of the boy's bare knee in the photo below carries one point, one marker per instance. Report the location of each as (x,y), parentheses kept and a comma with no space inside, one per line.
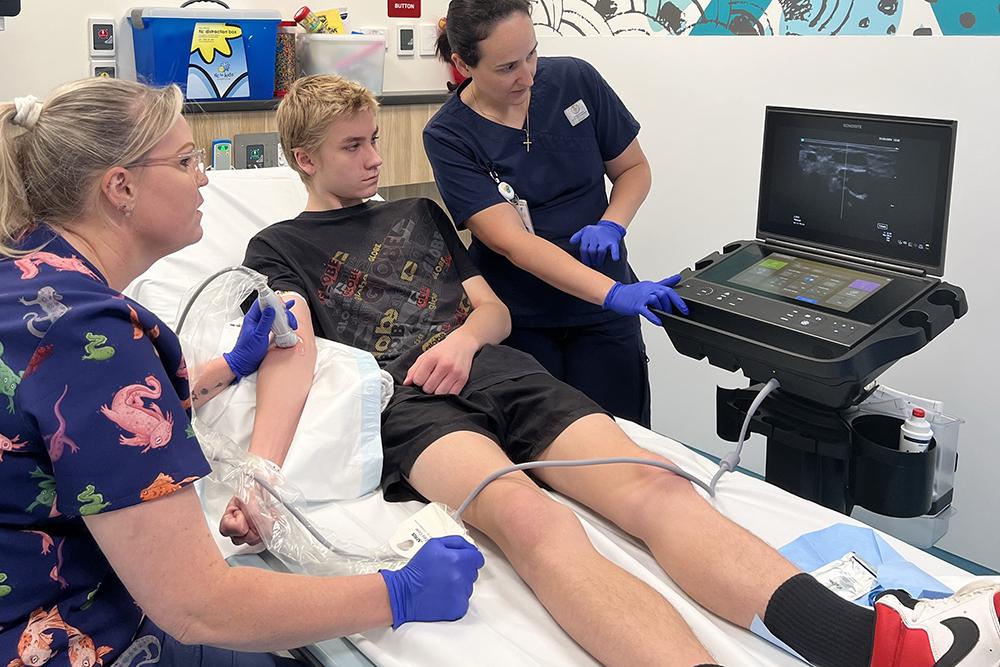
(642,501)
(517,514)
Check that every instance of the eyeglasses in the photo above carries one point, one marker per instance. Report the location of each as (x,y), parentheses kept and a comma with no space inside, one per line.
(193,161)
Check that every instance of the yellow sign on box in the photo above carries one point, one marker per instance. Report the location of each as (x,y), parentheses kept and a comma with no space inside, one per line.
(210,38)
(217,66)
(331,18)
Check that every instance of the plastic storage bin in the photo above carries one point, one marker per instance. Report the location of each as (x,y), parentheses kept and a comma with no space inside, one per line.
(161,37)
(358,58)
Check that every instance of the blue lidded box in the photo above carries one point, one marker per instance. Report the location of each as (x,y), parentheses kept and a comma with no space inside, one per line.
(210,54)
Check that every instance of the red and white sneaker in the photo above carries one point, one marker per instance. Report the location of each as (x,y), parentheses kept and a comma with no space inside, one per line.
(963,629)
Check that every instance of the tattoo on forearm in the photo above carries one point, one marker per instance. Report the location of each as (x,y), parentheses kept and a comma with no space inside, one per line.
(204,391)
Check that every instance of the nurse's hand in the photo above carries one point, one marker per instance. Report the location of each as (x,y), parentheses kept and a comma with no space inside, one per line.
(637,298)
(437,582)
(445,368)
(598,241)
(255,339)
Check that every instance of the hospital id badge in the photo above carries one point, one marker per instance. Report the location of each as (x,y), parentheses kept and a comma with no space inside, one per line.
(430,522)
(522,210)
(520,205)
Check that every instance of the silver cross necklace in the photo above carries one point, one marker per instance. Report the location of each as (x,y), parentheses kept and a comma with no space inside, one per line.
(527,117)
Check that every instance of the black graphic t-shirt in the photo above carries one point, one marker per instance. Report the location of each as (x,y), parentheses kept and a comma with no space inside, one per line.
(385,277)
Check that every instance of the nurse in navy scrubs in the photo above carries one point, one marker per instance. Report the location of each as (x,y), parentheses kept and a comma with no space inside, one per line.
(520,154)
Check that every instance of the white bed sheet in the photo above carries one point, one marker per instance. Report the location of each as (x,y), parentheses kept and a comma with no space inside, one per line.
(506,625)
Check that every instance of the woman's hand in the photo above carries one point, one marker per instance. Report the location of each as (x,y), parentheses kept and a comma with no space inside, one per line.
(598,241)
(637,298)
(255,338)
(445,368)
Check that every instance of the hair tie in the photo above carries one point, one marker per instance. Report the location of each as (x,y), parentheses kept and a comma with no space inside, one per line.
(27,111)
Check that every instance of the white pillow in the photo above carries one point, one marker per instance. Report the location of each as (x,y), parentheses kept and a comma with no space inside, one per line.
(336,452)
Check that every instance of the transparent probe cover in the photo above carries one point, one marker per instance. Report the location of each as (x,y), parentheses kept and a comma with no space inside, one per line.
(236,472)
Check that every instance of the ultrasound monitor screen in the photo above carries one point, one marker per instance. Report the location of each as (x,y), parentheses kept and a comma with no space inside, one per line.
(812,282)
(874,186)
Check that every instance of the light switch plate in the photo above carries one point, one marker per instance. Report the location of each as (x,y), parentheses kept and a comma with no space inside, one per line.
(428,39)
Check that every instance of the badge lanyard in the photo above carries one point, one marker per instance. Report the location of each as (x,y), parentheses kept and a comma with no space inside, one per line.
(520,205)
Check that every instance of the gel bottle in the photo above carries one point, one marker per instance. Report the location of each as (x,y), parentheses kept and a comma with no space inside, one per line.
(915,434)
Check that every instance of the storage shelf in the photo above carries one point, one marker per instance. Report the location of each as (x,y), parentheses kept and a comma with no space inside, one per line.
(386,99)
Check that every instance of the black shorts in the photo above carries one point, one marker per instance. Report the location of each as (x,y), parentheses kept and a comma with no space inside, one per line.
(523,416)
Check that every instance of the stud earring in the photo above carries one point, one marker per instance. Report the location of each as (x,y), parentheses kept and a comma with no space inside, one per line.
(125,210)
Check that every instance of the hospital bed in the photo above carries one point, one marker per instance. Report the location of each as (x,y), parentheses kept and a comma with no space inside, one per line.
(505,625)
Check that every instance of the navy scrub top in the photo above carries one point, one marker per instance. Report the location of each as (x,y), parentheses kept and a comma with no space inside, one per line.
(562,179)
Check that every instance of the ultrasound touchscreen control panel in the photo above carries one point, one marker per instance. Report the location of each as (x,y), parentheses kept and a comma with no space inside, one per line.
(800,318)
(811,282)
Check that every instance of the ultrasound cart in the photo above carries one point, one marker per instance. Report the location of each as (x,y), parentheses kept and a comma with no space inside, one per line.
(842,280)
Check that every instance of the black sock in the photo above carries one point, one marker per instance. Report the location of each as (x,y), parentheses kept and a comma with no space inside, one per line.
(821,626)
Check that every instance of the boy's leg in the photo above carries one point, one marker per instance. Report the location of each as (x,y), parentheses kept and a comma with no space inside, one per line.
(718,563)
(727,569)
(611,614)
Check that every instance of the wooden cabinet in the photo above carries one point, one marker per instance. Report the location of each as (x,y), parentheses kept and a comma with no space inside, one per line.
(400,140)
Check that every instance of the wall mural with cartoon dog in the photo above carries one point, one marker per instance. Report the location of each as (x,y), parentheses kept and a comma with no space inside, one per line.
(766,17)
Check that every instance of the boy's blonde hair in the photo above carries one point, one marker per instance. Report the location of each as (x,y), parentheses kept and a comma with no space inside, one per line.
(311,105)
(52,154)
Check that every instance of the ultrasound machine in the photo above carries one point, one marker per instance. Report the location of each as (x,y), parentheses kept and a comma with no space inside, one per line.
(842,280)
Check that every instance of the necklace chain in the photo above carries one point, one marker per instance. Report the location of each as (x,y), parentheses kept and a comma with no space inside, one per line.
(527,117)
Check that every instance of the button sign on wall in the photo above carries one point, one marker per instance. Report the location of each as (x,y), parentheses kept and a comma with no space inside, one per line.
(409,9)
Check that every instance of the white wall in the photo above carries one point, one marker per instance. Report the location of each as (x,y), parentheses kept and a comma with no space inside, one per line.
(701,104)
(24,68)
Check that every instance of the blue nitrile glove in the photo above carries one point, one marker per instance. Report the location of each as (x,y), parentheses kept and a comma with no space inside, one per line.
(596,241)
(437,582)
(635,299)
(254,339)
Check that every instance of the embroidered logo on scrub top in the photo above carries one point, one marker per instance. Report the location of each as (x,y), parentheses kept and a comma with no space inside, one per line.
(576,113)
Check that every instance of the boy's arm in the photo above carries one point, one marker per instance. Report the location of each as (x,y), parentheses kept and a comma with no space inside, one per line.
(283,382)
(445,368)
(489,322)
